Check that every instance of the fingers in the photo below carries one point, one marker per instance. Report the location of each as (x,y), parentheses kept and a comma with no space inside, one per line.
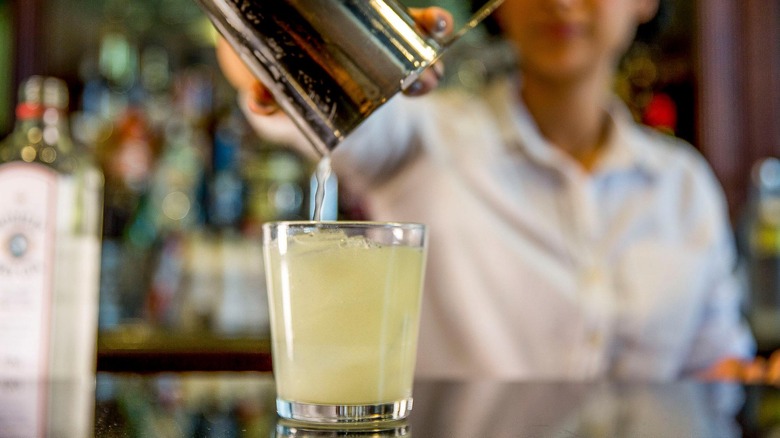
(261,101)
(234,69)
(756,371)
(753,371)
(435,21)
(726,370)
(773,369)
(438,23)
(428,80)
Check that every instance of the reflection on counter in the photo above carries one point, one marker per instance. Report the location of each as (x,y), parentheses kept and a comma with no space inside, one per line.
(46,409)
(396,429)
(242,405)
(190,405)
(597,409)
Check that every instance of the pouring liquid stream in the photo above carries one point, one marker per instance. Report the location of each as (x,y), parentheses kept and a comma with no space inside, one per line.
(321,175)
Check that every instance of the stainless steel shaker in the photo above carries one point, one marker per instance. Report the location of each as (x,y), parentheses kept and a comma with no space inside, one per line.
(329,63)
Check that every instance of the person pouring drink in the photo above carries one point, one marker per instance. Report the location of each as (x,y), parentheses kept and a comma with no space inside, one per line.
(566,240)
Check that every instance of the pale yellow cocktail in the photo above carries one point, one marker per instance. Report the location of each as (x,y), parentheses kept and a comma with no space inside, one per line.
(344,304)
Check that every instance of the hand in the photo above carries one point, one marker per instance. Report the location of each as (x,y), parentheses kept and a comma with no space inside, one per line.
(242,79)
(438,23)
(435,21)
(756,371)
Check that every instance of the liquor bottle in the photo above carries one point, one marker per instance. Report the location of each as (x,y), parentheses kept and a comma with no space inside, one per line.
(226,185)
(763,253)
(50,224)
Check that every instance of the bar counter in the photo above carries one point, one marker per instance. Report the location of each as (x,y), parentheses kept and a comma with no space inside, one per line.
(241,404)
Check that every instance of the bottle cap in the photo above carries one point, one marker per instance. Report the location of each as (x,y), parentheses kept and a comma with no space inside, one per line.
(55,93)
(30,96)
(30,91)
(27,110)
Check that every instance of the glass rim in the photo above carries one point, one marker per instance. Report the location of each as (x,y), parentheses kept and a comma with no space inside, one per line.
(344,224)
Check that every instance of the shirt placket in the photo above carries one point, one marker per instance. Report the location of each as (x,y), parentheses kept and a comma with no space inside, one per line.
(594,280)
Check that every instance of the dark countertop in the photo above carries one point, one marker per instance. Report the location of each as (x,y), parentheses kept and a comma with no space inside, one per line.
(241,404)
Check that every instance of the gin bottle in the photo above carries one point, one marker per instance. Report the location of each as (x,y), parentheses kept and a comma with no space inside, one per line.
(50,224)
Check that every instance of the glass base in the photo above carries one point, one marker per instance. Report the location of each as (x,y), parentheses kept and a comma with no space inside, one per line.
(291,429)
(344,415)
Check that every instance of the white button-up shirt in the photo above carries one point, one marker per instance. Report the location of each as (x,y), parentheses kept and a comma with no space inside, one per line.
(538,269)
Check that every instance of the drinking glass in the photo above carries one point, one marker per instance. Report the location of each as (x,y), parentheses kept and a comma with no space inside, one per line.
(344,301)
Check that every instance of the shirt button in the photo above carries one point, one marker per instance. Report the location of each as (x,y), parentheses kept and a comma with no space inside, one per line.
(595,339)
(594,276)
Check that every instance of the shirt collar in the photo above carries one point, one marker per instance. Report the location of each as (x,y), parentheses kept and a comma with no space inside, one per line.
(626,147)
(629,145)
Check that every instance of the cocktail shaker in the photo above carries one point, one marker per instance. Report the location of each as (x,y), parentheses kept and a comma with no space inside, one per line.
(330,63)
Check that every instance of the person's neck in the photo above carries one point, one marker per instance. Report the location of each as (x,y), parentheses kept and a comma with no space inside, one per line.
(571,116)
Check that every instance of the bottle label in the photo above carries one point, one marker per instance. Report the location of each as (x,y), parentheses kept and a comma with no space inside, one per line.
(28,205)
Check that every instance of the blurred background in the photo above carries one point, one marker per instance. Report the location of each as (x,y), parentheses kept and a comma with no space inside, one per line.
(188,184)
